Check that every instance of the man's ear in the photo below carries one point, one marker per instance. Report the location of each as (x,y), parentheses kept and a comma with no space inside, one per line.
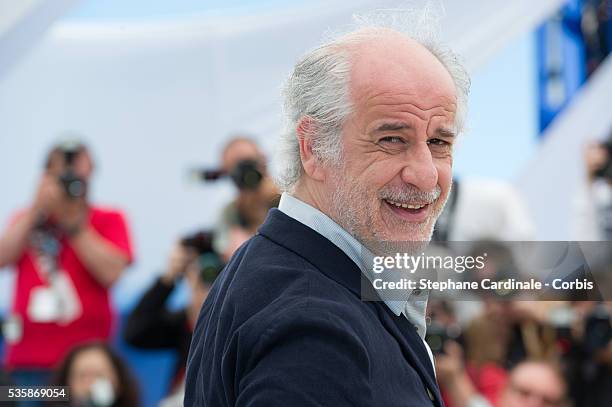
(306,129)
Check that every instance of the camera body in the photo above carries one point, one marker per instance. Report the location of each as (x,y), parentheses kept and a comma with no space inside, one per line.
(209,262)
(74,186)
(200,242)
(246,175)
(439,334)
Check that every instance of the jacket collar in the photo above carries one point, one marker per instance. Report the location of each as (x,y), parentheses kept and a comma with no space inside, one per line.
(319,251)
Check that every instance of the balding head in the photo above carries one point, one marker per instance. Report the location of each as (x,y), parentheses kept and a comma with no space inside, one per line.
(385,62)
(534,384)
(322,83)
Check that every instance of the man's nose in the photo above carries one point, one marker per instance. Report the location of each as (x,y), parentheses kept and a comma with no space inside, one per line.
(419,169)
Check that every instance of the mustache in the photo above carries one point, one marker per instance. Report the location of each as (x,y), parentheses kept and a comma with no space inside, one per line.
(410,194)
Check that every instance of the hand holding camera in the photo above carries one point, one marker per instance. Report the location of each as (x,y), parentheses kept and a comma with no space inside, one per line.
(179,259)
(48,195)
(449,364)
(52,202)
(61,195)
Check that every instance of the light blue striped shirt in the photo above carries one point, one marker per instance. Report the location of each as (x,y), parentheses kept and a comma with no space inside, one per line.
(415,304)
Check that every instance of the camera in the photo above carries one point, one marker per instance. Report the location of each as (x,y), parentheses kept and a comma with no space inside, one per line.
(439,334)
(209,267)
(74,186)
(200,242)
(208,261)
(442,327)
(246,175)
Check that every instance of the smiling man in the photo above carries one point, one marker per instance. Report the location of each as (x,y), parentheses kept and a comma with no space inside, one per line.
(372,117)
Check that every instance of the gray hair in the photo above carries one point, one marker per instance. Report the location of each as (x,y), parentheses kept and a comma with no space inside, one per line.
(319,85)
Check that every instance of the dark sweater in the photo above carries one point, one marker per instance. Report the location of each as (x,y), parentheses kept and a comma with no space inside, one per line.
(284,325)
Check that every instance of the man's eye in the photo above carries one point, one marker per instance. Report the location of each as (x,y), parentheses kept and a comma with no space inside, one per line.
(438,142)
(392,139)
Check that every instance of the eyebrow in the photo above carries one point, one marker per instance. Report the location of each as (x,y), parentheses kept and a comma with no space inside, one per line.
(395,126)
(392,127)
(442,132)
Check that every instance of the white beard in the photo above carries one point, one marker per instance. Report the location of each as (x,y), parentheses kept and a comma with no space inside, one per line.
(351,207)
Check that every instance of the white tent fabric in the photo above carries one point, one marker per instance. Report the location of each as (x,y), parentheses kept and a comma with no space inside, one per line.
(154,97)
(24,22)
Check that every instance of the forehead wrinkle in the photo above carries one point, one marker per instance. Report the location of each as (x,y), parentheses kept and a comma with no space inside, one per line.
(422,113)
(386,94)
(422,109)
(373,100)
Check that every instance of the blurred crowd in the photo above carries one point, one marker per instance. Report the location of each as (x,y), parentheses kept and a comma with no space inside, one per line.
(68,252)
(522,353)
(501,352)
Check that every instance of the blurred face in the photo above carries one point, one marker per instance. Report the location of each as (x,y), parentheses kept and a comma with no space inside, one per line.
(82,165)
(395,173)
(88,367)
(240,150)
(533,385)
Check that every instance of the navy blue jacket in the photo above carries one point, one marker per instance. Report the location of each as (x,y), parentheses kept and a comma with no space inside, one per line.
(284,325)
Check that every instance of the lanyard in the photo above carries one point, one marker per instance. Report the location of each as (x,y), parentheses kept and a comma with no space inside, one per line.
(45,240)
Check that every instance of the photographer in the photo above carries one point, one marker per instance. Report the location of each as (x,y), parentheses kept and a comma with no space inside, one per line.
(594,209)
(67,253)
(151,325)
(246,166)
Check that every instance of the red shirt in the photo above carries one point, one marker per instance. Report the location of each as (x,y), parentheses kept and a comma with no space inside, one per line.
(489,381)
(43,345)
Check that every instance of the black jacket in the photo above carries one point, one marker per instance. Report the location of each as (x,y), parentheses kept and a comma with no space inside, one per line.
(284,325)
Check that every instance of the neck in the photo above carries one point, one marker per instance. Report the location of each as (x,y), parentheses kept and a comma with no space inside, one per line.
(307,192)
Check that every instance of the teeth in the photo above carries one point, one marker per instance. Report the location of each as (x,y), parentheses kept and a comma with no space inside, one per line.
(406,206)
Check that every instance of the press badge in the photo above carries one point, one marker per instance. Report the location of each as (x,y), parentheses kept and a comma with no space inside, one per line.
(58,302)
(44,305)
(70,303)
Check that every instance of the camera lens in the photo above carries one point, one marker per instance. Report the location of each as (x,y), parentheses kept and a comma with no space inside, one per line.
(246,175)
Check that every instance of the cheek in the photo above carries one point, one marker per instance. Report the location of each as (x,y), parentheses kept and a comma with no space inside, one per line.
(445,173)
(382,172)
(79,385)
